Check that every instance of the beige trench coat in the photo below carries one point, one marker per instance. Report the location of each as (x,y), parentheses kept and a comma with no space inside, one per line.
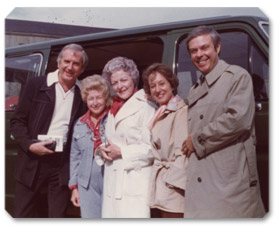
(169,169)
(222,178)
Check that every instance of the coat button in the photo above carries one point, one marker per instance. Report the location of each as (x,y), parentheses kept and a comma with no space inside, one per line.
(201,117)
(199,179)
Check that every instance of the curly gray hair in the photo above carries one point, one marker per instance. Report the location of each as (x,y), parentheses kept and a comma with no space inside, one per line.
(121,63)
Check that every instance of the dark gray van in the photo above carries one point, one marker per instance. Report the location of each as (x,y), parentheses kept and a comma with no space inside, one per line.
(245,42)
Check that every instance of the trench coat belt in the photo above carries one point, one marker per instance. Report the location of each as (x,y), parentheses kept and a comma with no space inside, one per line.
(159,164)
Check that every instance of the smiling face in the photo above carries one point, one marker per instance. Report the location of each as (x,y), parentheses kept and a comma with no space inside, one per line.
(70,67)
(160,88)
(203,53)
(122,84)
(96,102)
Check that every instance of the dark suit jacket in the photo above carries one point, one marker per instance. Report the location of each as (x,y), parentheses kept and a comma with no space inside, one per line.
(32,117)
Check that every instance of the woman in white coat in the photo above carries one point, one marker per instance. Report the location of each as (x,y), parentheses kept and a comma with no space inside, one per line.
(127,153)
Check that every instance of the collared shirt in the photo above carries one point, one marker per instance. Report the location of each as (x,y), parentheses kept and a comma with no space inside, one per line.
(63,107)
(94,128)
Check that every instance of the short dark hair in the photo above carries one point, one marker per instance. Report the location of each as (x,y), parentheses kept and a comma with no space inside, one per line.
(203,30)
(164,70)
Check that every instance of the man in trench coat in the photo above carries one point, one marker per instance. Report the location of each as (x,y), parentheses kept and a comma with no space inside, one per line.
(49,106)
(222,178)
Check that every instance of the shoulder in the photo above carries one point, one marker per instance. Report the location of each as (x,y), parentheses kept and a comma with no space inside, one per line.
(182,111)
(32,86)
(79,124)
(141,99)
(236,70)
(236,74)
(38,80)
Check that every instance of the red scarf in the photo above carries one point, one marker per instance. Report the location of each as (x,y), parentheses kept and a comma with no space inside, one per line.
(118,103)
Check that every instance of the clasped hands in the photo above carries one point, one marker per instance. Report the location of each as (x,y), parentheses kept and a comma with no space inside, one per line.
(110,151)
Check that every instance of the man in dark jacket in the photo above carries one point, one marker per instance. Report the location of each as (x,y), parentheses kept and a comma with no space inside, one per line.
(49,106)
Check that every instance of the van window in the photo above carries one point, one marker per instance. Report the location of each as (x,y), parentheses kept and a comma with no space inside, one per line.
(259,72)
(238,49)
(18,70)
(144,51)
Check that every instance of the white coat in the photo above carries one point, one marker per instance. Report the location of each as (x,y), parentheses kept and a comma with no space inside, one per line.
(126,180)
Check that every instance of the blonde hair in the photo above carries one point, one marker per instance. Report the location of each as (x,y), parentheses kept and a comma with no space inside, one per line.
(95,82)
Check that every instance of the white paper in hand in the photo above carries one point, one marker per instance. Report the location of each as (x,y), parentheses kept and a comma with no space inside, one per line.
(57,138)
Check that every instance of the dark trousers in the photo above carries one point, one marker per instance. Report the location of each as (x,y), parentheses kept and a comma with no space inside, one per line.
(27,200)
(157,213)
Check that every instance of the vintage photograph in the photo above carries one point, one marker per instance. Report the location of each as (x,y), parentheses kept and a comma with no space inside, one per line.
(109,114)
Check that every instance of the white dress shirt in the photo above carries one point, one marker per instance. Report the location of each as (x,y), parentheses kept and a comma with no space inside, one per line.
(63,107)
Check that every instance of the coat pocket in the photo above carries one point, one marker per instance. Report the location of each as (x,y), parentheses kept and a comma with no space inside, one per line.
(81,139)
(136,182)
(226,163)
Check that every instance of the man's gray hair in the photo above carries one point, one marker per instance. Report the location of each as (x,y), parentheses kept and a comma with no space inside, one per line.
(74,48)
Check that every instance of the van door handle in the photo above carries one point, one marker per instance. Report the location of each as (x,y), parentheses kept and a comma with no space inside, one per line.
(258,106)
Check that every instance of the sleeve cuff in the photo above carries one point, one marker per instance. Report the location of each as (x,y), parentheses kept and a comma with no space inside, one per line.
(73,187)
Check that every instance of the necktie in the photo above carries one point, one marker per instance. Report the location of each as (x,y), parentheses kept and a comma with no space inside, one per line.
(202,78)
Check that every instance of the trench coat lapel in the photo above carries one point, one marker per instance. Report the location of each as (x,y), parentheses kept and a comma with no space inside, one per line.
(130,107)
(200,90)
(216,73)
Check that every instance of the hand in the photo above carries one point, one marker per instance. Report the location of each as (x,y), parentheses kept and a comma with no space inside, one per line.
(75,197)
(39,148)
(110,152)
(187,146)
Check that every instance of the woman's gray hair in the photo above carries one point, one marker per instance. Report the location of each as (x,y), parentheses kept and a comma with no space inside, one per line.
(74,48)
(121,63)
(95,82)
(203,30)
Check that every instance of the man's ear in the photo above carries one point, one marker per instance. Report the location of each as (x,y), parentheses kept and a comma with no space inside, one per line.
(218,48)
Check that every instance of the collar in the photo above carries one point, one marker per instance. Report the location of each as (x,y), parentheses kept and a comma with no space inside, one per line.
(175,103)
(217,71)
(52,78)
(86,117)
(118,103)
(140,95)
